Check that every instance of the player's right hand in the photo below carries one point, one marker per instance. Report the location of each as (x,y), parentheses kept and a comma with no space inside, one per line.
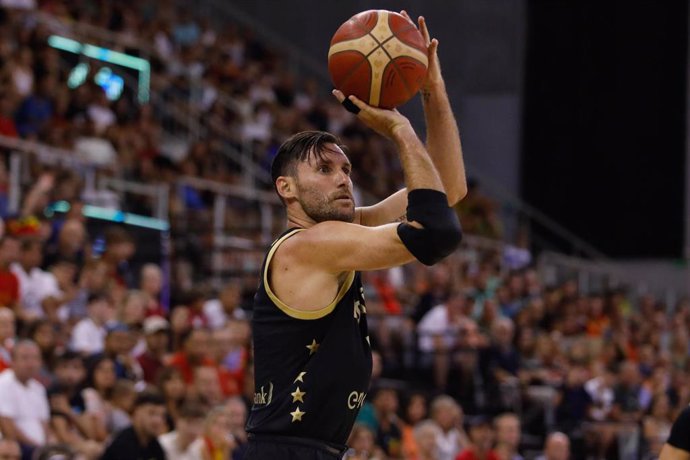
(389,123)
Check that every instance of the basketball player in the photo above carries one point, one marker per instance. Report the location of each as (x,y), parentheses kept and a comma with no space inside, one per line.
(678,445)
(311,345)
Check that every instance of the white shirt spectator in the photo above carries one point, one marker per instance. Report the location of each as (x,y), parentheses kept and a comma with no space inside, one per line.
(96,150)
(34,287)
(88,337)
(435,323)
(216,316)
(168,442)
(449,444)
(26,405)
(602,398)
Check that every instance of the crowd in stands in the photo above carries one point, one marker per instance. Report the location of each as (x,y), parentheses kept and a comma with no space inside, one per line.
(475,358)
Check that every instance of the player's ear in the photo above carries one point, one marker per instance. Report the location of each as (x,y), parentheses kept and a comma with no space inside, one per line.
(286,187)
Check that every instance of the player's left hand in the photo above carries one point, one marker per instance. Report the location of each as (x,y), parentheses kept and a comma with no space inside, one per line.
(433,75)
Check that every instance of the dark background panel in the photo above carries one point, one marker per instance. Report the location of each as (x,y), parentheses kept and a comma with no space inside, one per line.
(604,121)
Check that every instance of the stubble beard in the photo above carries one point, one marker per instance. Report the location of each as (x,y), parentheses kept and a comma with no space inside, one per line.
(321,208)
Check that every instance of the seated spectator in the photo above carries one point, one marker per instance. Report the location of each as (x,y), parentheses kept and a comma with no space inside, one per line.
(415,412)
(69,374)
(66,425)
(24,409)
(237,414)
(627,406)
(7,334)
(573,402)
(156,335)
(216,442)
(499,364)
(362,445)
(141,439)
(98,389)
(426,435)
(151,282)
(447,414)
(42,332)
(179,443)
(194,353)
(231,354)
(508,432)
(556,447)
(388,425)
(119,343)
(35,285)
(206,390)
(481,440)
(174,391)
(121,403)
(88,336)
(226,307)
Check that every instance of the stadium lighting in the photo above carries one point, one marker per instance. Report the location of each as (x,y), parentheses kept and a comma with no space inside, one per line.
(112,215)
(110,56)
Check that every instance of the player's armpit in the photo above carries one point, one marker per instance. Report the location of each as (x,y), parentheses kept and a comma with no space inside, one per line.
(337,247)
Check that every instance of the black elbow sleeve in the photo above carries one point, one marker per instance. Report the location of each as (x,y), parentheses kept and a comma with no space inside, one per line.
(441,233)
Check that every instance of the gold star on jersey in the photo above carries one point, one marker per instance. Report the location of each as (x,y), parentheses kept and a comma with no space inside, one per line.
(300,377)
(297,415)
(298,395)
(313,347)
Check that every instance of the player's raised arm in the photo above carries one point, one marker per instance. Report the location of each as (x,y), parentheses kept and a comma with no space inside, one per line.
(432,232)
(443,137)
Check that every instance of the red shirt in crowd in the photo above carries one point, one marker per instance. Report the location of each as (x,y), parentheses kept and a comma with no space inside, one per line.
(9,289)
(470,454)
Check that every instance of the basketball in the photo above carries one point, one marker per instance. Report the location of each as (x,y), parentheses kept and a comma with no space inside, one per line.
(379,56)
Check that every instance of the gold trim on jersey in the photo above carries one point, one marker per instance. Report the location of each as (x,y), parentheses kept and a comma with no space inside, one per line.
(293,312)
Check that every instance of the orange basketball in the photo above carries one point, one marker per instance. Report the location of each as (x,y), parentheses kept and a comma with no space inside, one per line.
(378,56)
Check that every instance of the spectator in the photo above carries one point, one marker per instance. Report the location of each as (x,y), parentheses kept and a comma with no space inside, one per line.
(656,425)
(227,307)
(141,439)
(556,447)
(448,416)
(35,284)
(151,282)
(500,363)
(481,440)
(426,434)
(573,402)
(156,333)
(179,443)
(97,392)
(362,445)
(216,442)
(194,353)
(627,404)
(88,336)
(508,432)
(70,374)
(119,344)
(171,385)
(415,412)
(121,404)
(66,425)
(206,390)
(237,414)
(24,409)
(9,284)
(7,334)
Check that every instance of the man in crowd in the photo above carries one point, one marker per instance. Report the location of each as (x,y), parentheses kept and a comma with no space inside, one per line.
(24,409)
(140,441)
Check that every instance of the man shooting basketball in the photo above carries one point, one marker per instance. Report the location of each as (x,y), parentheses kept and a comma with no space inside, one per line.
(311,345)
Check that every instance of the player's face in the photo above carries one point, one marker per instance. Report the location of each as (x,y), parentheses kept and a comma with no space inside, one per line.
(325,188)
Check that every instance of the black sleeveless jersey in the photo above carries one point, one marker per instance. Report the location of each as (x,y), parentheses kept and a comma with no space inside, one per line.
(312,369)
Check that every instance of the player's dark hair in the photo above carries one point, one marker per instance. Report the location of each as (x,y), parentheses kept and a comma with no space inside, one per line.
(300,147)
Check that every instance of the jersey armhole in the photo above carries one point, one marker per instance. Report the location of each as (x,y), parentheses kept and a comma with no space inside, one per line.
(294,312)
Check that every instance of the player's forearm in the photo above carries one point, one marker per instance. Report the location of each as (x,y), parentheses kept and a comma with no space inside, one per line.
(418,167)
(443,141)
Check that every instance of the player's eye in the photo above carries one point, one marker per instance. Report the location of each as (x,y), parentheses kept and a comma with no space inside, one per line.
(324,169)
(347,171)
